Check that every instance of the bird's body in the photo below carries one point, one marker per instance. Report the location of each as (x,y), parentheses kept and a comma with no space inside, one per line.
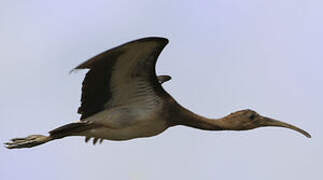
(122,99)
(128,122)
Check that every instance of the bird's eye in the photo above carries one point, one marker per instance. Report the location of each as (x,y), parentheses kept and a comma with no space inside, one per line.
(252,117)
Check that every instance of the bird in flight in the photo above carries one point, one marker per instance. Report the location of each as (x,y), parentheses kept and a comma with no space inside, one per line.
(123,98)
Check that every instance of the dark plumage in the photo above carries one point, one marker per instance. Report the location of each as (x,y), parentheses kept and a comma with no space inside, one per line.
(122,98)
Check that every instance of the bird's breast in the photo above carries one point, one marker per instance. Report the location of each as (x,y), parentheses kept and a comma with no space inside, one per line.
(140,129)
(130,122)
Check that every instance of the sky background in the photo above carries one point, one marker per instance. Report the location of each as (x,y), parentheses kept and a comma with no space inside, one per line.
(223,55)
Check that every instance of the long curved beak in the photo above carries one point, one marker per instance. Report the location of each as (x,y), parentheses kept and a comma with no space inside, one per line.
(272,122)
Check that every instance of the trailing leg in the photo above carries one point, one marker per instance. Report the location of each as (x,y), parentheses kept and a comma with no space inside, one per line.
(29,141)
(72,129)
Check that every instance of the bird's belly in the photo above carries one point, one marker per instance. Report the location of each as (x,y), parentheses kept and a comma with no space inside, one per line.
(141,129)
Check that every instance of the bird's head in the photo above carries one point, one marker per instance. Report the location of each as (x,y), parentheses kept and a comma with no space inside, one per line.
(249,119)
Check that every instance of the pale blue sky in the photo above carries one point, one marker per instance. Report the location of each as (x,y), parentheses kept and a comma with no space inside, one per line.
(223,55)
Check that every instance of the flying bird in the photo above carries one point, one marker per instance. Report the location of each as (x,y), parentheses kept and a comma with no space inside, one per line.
(123,98)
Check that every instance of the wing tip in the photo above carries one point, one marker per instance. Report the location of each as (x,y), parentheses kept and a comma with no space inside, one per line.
(153,38)
(87,64)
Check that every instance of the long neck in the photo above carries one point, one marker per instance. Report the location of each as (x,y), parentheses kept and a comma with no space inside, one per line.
(188,118)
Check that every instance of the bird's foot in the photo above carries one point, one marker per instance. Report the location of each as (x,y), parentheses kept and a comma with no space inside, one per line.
(29,141)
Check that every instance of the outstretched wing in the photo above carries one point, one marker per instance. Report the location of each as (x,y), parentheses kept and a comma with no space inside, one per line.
(120,75)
